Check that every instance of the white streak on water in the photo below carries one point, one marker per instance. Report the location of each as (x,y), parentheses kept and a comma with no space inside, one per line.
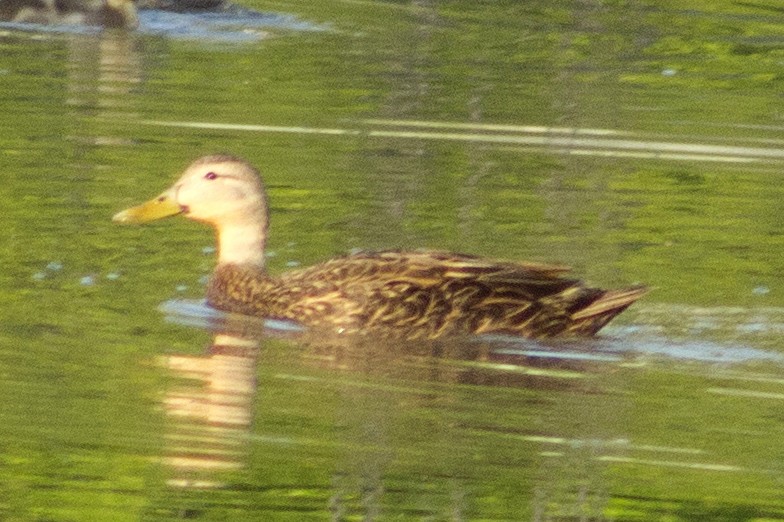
(547,139)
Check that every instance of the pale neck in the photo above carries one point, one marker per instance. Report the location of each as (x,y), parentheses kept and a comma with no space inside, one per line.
(242,244)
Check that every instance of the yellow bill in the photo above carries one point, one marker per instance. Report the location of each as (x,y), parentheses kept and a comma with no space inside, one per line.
(157,208)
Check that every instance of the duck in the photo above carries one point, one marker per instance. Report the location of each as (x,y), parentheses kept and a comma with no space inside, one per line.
(105,13)
(392,294)
(183,6)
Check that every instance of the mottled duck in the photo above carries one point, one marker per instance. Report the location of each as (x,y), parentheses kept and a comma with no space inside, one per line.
(393,294)
(106,13)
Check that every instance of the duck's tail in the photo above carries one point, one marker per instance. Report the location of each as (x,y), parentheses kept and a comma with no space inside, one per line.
(592,318)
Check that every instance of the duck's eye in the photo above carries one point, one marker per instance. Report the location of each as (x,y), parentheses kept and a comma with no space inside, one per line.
(210,175)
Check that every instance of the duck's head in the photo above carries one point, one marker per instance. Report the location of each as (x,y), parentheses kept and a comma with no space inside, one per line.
(223,191)
(219,190)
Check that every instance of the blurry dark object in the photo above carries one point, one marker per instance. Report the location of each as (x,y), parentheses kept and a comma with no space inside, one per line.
(106,13)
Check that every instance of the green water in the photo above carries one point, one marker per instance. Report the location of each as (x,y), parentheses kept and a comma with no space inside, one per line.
(636,142)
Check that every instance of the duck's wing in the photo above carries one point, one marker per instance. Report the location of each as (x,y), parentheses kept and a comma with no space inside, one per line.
(431,293)
(430,265)
(421,294)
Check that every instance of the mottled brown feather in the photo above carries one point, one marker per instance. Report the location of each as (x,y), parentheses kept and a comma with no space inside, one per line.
(422,294)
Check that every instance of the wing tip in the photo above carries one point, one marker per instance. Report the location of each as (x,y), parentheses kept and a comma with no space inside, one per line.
(609,304)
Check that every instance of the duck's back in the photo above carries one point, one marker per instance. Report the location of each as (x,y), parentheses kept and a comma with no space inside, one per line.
(422,294)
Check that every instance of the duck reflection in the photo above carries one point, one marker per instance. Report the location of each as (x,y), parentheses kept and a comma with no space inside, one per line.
(212,419)
(211,408)
(213,405)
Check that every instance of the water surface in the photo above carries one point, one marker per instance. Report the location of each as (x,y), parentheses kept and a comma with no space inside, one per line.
(636,143)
